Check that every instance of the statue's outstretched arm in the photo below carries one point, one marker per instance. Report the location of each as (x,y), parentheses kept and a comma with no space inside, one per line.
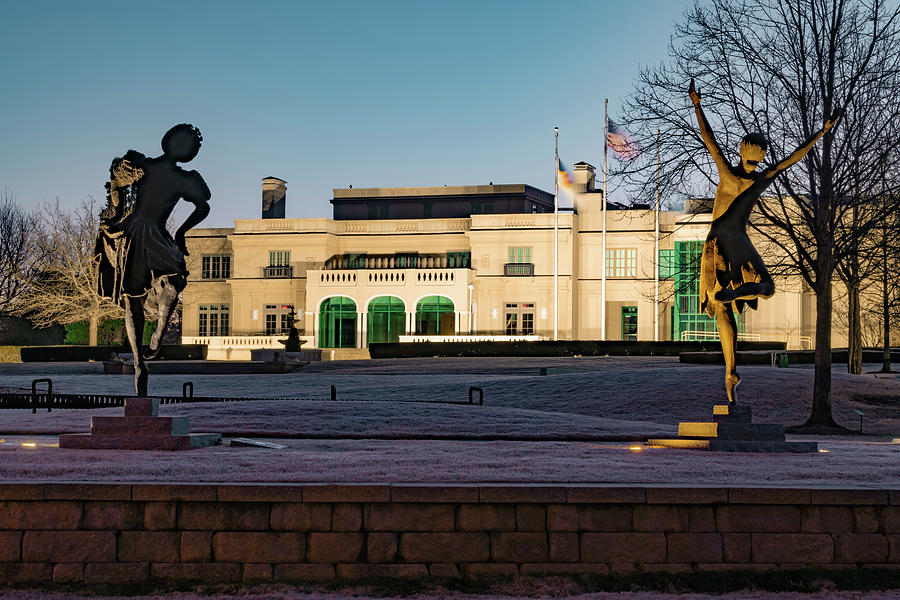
(200,199)
(804,148)
(706,132)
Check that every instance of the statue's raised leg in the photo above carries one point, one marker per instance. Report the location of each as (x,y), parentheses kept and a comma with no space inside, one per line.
(167,300)
(747,291)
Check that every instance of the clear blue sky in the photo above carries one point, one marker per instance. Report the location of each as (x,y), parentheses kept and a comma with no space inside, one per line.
(321,94)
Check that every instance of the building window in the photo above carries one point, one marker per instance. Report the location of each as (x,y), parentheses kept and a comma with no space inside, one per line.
(519,318)
(459,260)
(519,264)
(213,319)
(519,254)
(350,260)
(378,211)
(279,265)
(435,316)
(629,323)
(689,322)
(668,264)
(406,260)
(337,323)
(386,320)
(621,262)
(426,210)
(279,258)
(215,266)
(278,318)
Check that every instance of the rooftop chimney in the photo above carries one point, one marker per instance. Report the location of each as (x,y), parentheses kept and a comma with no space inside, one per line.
(273,194)
(584,177)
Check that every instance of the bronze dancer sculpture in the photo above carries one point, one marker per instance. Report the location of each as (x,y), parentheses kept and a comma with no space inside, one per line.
(140,262)
(732,274)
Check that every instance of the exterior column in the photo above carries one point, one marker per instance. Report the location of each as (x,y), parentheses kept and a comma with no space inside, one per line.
(315,328)
(410,323)
(361,330)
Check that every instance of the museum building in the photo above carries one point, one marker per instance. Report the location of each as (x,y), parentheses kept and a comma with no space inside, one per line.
(461,262)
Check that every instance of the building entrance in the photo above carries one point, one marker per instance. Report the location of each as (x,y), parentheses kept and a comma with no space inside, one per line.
(435,316)
(519,318)
(387,320)
(337,323)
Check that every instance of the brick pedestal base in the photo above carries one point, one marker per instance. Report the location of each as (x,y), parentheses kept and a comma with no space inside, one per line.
(140,429)
(732,431)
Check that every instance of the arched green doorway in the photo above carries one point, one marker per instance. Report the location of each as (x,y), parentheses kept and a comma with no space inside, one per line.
(387,319)
(435,316)
(337,323)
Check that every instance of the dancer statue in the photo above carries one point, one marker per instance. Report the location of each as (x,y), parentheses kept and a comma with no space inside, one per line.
(141,265)
(732,274)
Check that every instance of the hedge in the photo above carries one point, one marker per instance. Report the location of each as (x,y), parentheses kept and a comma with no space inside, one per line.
(560,348)
(10,354)
(101,353)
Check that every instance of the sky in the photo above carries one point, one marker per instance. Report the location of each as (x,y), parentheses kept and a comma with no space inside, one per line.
(321,94)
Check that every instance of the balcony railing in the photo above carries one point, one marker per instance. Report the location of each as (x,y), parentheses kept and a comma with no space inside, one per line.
(399,261)
(280,272)
(518,270)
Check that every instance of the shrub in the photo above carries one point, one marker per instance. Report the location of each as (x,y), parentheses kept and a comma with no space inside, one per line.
(560,348)
(100,353)
(110,333)
(10,354)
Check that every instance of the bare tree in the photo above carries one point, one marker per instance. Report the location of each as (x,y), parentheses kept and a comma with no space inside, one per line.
(18,254)
(884,262)
(65,288)
(780,67)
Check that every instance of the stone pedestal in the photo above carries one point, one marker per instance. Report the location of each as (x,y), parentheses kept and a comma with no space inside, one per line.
(140,429)
(732,430)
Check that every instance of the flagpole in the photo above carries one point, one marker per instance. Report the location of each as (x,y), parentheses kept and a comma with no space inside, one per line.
(656,251)
(556,234)
(603,237)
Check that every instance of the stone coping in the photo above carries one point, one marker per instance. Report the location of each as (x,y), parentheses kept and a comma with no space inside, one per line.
(469,493)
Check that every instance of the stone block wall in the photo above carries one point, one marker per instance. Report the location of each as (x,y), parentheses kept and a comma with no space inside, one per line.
(232,533)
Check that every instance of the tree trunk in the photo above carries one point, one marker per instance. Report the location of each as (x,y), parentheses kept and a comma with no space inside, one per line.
(821,406)
(93,326)
(854,336)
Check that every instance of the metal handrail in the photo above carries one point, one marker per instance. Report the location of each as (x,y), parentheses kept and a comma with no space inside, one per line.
(714,335)
(278,272)
(518,270)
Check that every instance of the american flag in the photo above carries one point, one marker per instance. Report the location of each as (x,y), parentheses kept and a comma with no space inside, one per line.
(620,142)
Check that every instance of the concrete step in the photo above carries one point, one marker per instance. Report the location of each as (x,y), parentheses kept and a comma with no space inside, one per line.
(679,443)
(731,431)
(761,446)
(86,441)
(750,432)
(697,430)
(725,413)
(140,425)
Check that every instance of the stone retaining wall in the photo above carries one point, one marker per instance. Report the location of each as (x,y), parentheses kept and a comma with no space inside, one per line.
(126,533)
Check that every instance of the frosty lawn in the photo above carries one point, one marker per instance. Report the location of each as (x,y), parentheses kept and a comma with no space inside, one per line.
(575,424)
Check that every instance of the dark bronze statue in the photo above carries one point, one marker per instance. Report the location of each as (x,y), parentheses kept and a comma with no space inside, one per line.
(293,341)
(141,265)
(732,274)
